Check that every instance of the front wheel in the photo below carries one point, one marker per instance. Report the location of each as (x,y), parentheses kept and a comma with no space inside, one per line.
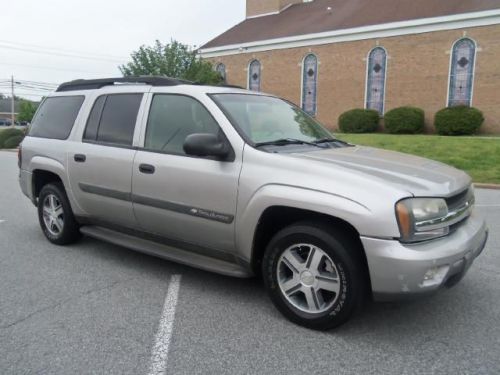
(55,215)
(312,276)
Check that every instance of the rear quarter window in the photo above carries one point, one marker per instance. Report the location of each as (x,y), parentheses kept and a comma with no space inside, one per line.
(56,116)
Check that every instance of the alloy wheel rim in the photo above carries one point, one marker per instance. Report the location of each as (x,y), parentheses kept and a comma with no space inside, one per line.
(53,214)
(308,278)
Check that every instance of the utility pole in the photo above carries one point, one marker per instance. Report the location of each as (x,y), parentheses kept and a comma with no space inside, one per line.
(12,100)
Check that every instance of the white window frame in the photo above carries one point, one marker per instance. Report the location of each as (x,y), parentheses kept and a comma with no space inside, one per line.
(473,69)
(302,80)
(365,106)
(260,74)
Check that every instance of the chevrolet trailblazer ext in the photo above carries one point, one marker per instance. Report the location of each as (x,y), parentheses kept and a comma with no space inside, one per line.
(243,184)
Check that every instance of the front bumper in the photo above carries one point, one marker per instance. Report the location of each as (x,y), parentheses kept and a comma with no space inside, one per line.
(398,270)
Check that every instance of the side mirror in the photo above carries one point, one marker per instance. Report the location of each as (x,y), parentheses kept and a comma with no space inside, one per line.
(204,144)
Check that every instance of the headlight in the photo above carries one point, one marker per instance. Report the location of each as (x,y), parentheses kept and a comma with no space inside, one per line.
(422,219)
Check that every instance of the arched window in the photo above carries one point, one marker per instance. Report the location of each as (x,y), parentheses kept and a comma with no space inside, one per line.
(221,69)
(309,83)
(254,75)
(375,80)
(463,58)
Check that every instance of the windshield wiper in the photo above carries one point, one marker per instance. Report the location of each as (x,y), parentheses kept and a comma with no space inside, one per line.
(287,141)
(330,140)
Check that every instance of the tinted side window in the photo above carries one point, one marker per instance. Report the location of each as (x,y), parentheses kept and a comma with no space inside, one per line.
(94,118)
(56,117)
(118,119)
(172,118)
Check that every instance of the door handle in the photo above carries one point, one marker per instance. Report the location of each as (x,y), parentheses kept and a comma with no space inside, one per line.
(146,168)
(80,158)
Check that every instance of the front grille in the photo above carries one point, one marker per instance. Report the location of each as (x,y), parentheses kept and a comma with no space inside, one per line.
(457,202)
(459,199)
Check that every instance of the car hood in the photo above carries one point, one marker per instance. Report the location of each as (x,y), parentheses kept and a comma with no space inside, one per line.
(416,175)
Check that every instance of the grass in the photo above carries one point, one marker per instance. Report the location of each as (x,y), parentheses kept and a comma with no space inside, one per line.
(478,156)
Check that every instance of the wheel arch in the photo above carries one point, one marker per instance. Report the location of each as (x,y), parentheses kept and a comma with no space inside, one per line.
(42,177)
(275,218)
(274,207)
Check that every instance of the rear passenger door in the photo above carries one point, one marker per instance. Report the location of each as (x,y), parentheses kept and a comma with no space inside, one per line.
(100,166)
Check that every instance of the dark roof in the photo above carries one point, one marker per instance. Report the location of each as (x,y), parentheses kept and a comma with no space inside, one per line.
(313,17)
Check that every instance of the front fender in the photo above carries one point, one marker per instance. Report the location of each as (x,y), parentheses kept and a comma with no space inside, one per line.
(356,214)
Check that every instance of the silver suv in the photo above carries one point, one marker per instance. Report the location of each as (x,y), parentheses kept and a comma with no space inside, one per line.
(245,184)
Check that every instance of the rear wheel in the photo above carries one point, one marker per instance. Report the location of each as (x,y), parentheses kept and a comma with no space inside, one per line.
(55,215)
(312,276)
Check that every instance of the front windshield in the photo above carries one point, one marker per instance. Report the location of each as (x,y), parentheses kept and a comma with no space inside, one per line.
(266,119)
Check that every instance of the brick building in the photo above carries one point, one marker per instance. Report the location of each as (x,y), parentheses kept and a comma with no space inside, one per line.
(329,56)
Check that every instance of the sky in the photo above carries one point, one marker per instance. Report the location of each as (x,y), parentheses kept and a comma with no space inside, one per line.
(46,42)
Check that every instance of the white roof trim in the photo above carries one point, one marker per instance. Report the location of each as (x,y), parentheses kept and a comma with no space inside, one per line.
(263,15)
(423,25)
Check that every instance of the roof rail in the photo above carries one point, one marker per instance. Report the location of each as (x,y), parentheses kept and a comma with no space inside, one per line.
(225,85)
(92,84)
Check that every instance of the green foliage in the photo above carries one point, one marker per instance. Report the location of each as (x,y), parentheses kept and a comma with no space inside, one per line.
(174,60)
(405,120)
(359,121)
(13,142)
(8,133)
(27,110)
(461,120)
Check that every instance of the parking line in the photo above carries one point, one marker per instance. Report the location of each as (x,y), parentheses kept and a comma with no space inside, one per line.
(159,354)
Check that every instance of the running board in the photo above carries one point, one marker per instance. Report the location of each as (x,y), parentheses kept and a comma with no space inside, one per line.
(166,252)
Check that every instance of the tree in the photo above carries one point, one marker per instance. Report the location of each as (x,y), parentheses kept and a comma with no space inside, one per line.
(174,60)
(26,111)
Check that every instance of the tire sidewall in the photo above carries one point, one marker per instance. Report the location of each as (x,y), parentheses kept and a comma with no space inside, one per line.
(345,303)
(61,196)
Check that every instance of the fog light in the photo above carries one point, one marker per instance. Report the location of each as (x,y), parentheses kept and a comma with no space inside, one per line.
(434,276)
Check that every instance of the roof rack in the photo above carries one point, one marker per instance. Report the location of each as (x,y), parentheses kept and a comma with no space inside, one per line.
(229,86)
(92,84)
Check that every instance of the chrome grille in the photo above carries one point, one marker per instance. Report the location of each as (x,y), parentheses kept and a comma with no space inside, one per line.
(462,202)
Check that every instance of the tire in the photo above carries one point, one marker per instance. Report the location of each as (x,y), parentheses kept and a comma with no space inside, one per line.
(314,299)
(59,224)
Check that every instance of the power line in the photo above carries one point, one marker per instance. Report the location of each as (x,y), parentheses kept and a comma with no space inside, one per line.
(35,88)
(26,81)
(50,68)
(41,83)
(59,54)
(63,50)
(21,93)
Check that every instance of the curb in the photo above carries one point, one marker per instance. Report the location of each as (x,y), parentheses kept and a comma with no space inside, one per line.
(9,149)
(487,186)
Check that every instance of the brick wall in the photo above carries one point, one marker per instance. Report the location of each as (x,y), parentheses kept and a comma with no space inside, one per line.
(417,73)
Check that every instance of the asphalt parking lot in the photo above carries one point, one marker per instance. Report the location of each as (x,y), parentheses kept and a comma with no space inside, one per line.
(95,308)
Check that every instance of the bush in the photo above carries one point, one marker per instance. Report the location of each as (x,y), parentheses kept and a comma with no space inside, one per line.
(9,133)
(405,120)
(359,121)
(461,120)
(13,142)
